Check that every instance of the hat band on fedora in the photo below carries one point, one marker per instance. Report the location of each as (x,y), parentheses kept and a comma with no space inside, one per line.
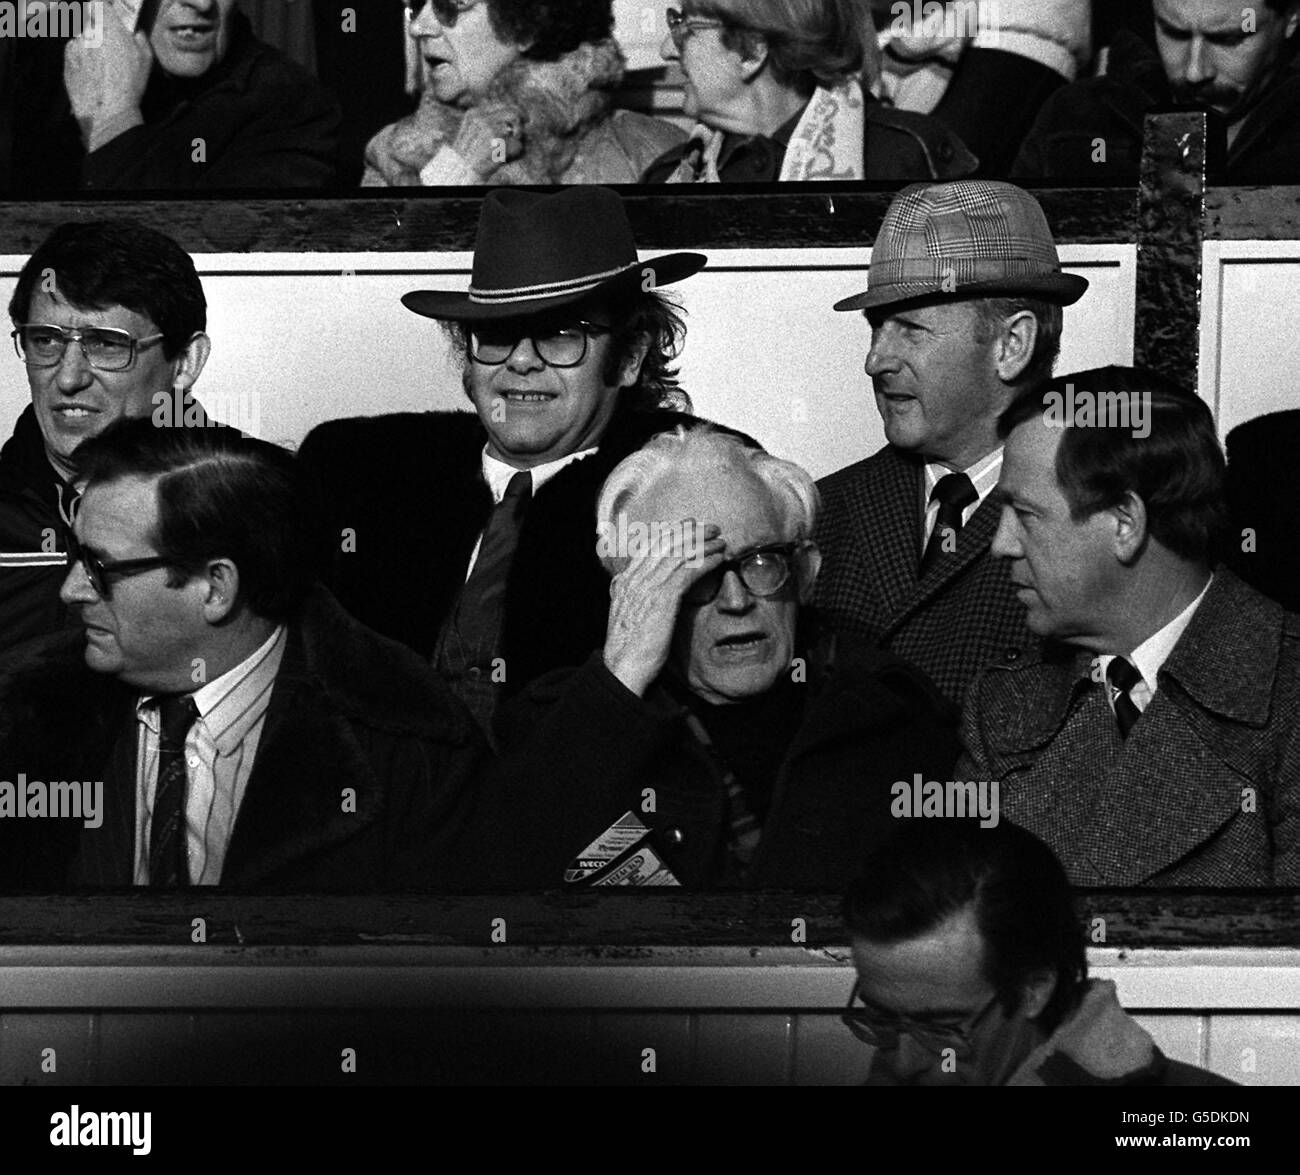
(959,269)
(575,285)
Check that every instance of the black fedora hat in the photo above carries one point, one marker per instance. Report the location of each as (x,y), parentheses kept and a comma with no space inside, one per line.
(540,251)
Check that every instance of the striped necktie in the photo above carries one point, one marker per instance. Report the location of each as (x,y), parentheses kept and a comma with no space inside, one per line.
(168,859)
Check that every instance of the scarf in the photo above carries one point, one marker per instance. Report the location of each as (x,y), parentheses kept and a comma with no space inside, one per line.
(554,102)
(1097,1044)
(827,143)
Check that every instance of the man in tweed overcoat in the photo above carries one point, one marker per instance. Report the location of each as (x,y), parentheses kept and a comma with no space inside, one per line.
(964,300)
(1154,737)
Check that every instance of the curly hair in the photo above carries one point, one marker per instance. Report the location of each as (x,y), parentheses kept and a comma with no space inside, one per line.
(659,320)
(551,28)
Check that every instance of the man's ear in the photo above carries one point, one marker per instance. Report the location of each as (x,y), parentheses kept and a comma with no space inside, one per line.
(189,363)
(1036,992)
(753,56)
(222,578)
(1015,345)
(1130,527)
(629,370)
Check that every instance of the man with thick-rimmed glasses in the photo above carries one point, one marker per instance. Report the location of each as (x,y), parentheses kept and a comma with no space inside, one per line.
(971,969)
(108,319)
(243,730)
(471,537)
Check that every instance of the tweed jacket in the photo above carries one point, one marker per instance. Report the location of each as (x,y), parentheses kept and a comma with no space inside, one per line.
(348,710)
(410,486)
(961,616)
(1205,790)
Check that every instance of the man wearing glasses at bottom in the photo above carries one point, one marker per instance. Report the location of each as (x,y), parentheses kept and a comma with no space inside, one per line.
(471,538)
(109,319)
(972,969)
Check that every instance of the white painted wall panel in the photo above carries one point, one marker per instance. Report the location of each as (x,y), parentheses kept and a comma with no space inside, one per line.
(1250,352)
(302,338)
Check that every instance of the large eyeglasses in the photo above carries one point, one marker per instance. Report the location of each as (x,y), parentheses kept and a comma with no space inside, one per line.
(881,1029)
(764,571)
(562,346)
(98,572)
(105,347)
(447,11)
(681,26)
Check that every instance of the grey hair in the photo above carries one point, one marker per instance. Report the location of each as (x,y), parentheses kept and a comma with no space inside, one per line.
(791,487)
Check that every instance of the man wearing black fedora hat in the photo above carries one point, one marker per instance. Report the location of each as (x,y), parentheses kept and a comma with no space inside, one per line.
(964,301)
(475,539)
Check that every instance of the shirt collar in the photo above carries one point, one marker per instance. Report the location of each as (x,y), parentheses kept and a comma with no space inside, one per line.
(229,706)
(1153,652)
(983,474)
(1149,657)
(497,474)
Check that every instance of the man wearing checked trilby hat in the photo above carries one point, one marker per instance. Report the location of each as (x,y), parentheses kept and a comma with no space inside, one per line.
(471,537)
(964,298)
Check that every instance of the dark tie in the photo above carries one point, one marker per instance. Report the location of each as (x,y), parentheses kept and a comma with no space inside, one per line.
(168,860)
(482,601)
(954,493)
(1123,676)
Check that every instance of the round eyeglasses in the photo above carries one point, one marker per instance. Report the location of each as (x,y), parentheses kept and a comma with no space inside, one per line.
(563,346)
(98,572)
(105,347)
(881,1029)
(681,26)
(764,571)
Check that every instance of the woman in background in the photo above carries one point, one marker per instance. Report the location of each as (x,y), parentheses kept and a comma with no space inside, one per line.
(516,92)
(775,87)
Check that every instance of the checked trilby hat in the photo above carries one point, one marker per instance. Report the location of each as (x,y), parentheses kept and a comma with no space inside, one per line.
(966,239)
(540,251)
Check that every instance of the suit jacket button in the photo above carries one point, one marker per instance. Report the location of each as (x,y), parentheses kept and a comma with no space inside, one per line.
(473,673)
(1011,655)
(674,836)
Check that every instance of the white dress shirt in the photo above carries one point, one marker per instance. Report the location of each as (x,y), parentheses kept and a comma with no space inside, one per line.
(983,476)
(497,474)
(220,750)
(1152,653)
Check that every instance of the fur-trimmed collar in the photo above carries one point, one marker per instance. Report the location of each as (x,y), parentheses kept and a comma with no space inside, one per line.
(557,102)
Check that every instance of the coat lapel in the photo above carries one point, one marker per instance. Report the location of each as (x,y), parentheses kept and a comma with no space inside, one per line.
(294,807)
(888,526)
(972,542)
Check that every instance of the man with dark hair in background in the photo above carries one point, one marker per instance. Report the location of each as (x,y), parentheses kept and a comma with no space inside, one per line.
(972,971)
(1237,61)
(109,317)
(1154,737)
(247,732)
(471,537)
(964,301)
